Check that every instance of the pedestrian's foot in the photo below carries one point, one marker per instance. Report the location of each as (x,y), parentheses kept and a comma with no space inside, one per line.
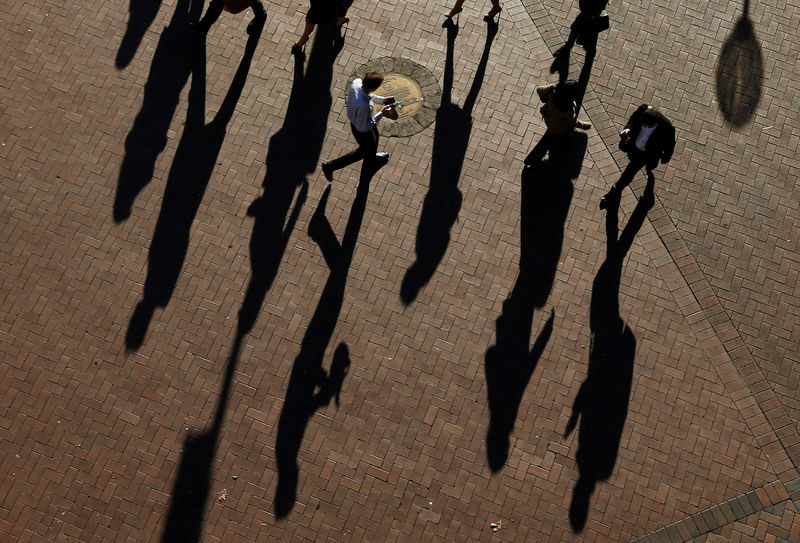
(558,52)
(454,12)
(492,12)
(297,49)
(384,156)
(342,21)
(327,171)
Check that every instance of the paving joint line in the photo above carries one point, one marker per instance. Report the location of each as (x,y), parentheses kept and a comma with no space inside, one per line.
(722,514)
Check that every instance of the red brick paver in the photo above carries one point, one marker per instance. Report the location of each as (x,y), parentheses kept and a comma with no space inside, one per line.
(694,437)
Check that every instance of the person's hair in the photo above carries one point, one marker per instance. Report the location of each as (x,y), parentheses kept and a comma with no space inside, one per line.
(564,95)
(650,116)
(372,80)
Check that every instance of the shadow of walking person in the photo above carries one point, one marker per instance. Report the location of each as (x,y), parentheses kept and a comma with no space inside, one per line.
(509,364)
(293,153)
(602,401)
(188,178)
(443,200)
(310,387)
(142,13)
(740,72)
(190,494)
(169,72)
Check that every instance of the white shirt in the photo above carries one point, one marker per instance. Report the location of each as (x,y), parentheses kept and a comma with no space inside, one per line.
(644,135)
(359,107)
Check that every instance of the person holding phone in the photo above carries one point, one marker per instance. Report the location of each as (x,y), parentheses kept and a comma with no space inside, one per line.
(363,124)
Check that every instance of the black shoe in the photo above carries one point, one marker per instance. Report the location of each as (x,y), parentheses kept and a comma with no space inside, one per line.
(327,171)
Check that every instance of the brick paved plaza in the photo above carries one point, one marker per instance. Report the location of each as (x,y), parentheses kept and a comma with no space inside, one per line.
(203,340)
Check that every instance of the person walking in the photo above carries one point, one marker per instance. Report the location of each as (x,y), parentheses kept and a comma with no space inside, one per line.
(320,12)
(585,28)
(648,138)
(459,7)
(363,124)
(560,117)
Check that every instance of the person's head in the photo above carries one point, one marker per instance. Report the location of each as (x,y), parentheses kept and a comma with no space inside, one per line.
(372,81)
(650,117)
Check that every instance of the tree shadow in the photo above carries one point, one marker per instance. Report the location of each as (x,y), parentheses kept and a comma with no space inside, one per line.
(442,203)
(169,71)
(142,13)
(740,72)
(188,178)
(310,386)
(509,364)
(293,153)
(602,401)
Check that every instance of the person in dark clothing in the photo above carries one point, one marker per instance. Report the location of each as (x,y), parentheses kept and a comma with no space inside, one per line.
(587,25)
(320,12)
(648,138)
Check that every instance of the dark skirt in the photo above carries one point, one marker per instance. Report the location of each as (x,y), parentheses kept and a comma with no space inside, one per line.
(323,11)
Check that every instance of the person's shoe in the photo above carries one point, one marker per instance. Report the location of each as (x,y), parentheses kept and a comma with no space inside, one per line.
(383,156)
(297,49)
(583,125)
(327,171)
(492,12)
(343,21)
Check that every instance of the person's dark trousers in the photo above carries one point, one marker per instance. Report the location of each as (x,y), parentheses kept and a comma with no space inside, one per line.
(638,159)
(540,149)
(367,147)
(212,14)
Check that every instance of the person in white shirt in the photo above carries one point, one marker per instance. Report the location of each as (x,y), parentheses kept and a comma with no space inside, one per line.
(363,124)
(648,138)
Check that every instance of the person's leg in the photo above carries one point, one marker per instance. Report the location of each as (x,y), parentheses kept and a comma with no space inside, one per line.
(367,145)
(458,8)
(612,196)
(212,14)
(259,16)
(309,28)
(494,11)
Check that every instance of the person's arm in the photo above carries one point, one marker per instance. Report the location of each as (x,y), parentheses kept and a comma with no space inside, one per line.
(634,119)
(669,141)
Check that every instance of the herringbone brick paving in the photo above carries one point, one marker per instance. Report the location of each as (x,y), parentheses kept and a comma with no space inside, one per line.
(176,440)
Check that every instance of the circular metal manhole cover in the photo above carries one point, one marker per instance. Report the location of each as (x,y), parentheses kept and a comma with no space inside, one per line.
(415,89)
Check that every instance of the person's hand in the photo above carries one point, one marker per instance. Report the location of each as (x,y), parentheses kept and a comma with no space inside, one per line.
(625,131)
(388,100)
(389,112)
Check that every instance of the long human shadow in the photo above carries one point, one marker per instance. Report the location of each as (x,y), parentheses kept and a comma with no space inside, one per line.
(190,494)
(310,386)
(561,65)
(293,153)
(193,163)
(169,72)
(602,401)
(510,363)
(188,178)
(443,201)
(740,72)
(142,13)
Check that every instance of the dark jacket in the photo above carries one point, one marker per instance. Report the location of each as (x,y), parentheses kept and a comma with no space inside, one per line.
(661,143)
